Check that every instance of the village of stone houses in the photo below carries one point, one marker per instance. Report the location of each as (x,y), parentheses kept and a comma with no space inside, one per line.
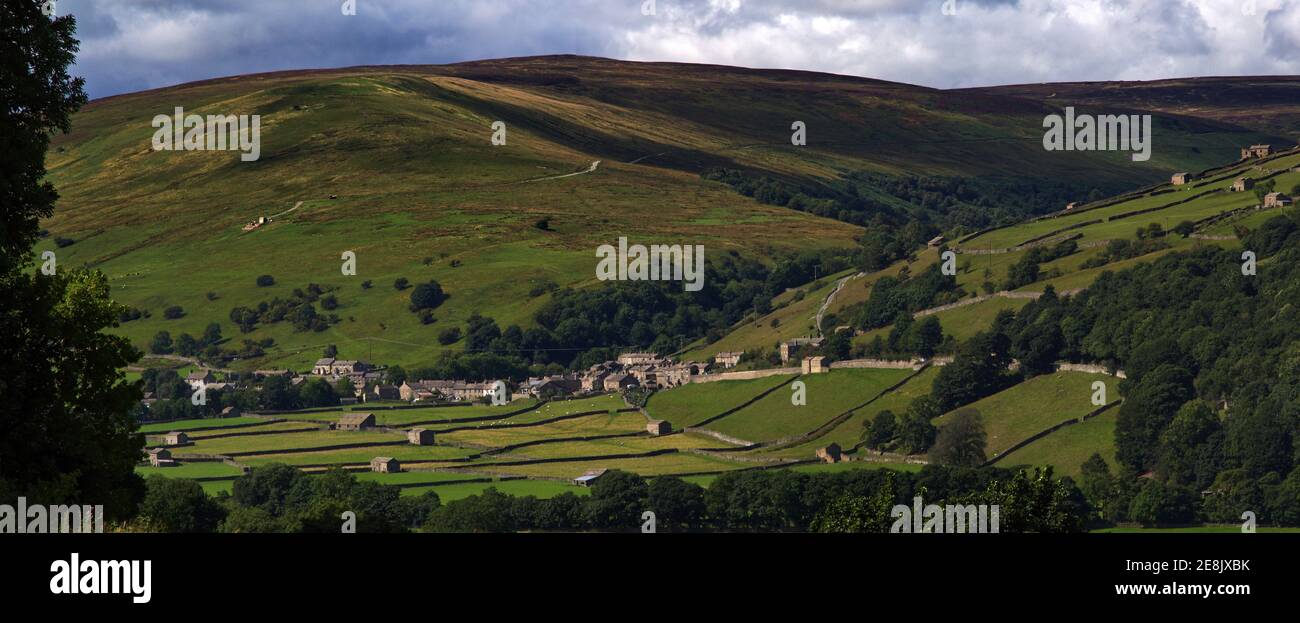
(454,431)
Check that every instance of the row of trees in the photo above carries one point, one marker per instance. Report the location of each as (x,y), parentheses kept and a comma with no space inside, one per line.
(174,396)
(299,309)
(894,297)
(279,498)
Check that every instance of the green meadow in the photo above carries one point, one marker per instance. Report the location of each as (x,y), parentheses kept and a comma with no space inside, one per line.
(1017,413)
(828,395)
(849,432)
(185,425)
(1068,448)
(690,404)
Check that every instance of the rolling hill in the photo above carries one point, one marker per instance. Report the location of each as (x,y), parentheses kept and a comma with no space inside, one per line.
(397,165)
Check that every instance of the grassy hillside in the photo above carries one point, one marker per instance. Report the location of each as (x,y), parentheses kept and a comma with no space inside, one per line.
(1067,449)
(828,395)
(691,404)
(1267,103)
(423,194)
(1018,413)
(1094,229)
(848,433)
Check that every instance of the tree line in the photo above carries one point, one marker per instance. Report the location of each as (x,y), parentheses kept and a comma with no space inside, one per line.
(280,498)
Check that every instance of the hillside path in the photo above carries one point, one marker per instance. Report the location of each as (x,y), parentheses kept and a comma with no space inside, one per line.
(830,298)
(295,207)
(589,169)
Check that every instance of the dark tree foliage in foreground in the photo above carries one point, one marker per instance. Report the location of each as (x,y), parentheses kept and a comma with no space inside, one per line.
(65,433)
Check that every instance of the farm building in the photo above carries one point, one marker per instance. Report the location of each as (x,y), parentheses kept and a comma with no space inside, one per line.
(420,437)
(829,454)
(639,359)
(1243,184)
(417,391)
(458,391)
(554,386)
(590,477)
(231,412)
(658,427)
(790,349)
(728,360)
(175,438)
(1256,151)
(936,241)
(384,392)
(326,366)
(677,374)
(385,465)
(1276,200)
(199,379)
(617,382)
(815,365)
(1072,205)
(1179,179)
(594,381)
(356,421)
(161,457)
(251,225)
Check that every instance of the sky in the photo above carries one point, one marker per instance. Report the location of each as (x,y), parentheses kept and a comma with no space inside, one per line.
(131,45)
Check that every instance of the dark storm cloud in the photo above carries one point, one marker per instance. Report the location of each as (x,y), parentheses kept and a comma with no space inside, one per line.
(129,45)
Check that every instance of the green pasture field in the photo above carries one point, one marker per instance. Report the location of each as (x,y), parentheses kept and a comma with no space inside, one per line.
(692,403)
(1023,410)
(193,469)
(1067,449)
(828,395)
(405,454)
(274,428)
(288,441)
(600,447)
(675,463)
(185,425)
(557,408)
(404,417)
(1250,220)
(960,322)
(496,437)
(848,433)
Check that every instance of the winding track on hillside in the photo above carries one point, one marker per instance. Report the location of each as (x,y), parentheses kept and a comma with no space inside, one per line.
(830,298)
(295,207)
(594,164)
